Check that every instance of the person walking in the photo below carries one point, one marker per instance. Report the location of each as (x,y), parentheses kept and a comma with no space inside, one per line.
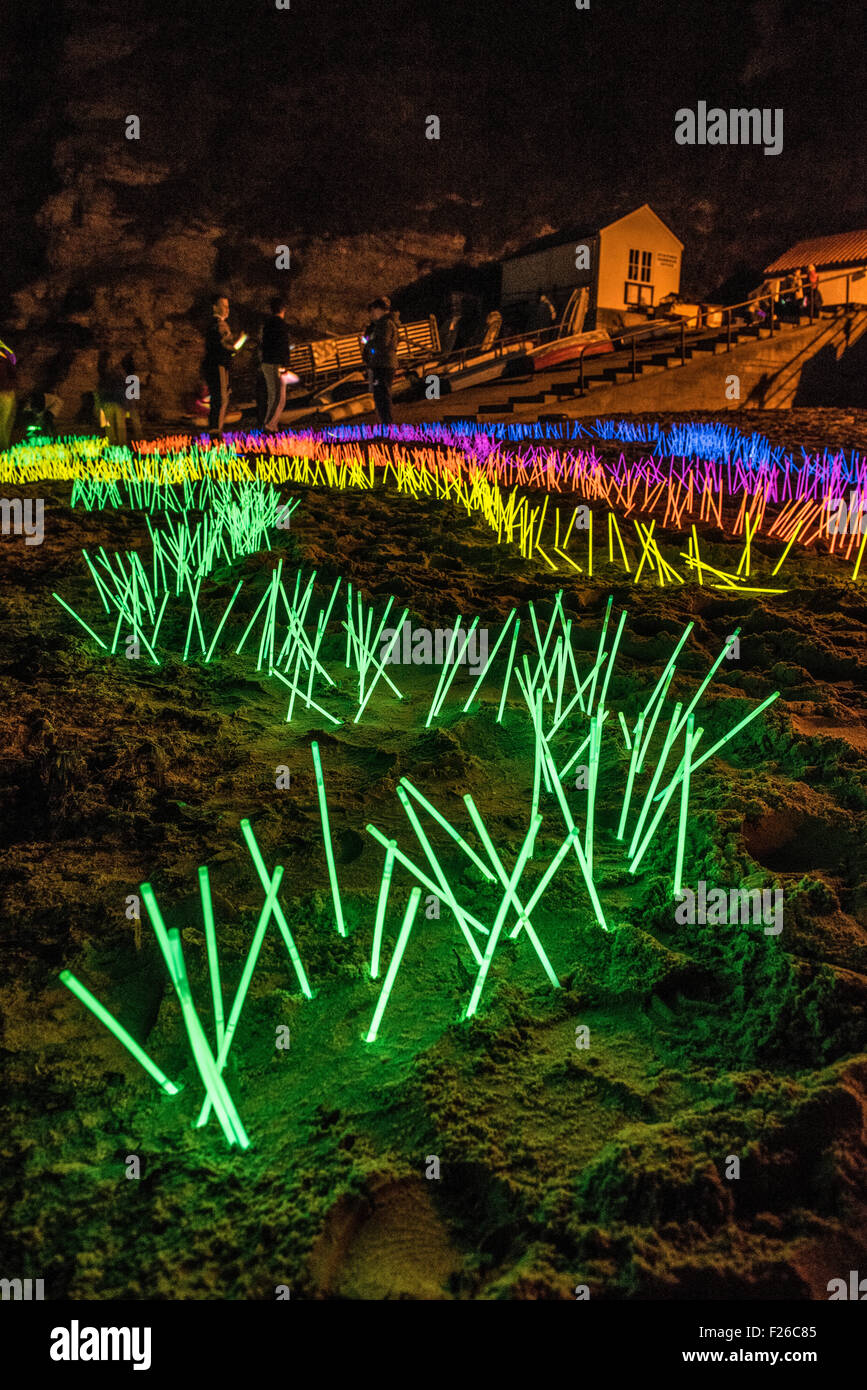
(379,351)
(219,351)
(8,400)
(275,361)
(815,294)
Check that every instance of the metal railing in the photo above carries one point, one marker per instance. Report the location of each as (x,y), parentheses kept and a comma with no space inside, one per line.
(752,304)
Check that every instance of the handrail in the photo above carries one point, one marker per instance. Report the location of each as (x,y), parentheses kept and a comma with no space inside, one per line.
(729,309)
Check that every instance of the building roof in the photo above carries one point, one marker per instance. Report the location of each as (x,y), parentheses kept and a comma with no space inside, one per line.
(579,231)
(844,248)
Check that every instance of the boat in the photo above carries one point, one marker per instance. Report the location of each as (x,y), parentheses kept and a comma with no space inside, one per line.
(563,351)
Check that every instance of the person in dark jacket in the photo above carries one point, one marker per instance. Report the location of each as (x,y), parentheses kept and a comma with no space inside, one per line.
(219,351)
(379,343)
(275,361)
(109,400)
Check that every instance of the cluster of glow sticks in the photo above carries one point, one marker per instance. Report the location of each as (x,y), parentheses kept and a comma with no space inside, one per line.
(562,704)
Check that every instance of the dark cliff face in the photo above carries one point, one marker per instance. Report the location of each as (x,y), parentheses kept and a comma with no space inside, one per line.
(305,128)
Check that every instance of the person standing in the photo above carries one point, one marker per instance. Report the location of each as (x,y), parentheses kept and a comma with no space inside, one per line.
(814,292)
(379,344)
(109,400)
(219,351)
(275,361)
(8,401)
(546,314)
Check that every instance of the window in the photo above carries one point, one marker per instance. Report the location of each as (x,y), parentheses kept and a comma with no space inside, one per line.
(639,266)
(637,294)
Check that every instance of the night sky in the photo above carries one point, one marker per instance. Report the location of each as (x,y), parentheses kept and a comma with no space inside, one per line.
(311,120)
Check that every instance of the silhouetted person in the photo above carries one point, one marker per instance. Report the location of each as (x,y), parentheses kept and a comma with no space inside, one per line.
(275,361)
(380,355)
(109,400)
(815,294)
(8,399)
(219,351)
(546,314)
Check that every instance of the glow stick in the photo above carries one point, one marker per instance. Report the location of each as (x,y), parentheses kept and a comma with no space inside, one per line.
(90,1000)
(394,963)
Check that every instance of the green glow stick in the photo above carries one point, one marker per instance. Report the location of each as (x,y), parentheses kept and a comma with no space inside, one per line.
(537,758)
(265,597)
(435,701)
(213,956)
(654,781)
(453,672)
(668,670)
(380,908)
(445,887)
(326,835)
(523,920)
(736,730)
(491,946)
(509,666)
(642,752)
(394,963)
(80,620)
(279,917)
(380,670)
(215,1086)
(707,680)
(666,797)
(684,804)
(100,587)
(610,667)
(155,632)
(490,660)
(269,619)
(194,614)
(311,703)
(595,742)
(625,729)
(437,889)
(576,841)
(599,650)
(196,1038)
(447,827)
(541,647)
(268,909)
(216,636)
(90,1000)
(545,879)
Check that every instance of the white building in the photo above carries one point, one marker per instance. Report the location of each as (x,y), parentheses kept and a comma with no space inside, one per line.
(835,258)
(629,264)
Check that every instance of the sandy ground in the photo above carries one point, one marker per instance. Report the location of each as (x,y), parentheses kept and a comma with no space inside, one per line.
(609,1165)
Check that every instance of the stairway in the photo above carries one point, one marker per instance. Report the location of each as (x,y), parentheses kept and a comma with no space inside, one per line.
(616,368)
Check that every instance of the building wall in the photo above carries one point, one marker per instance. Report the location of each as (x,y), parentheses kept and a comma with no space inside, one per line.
(834,289)
(642,231)
(552,269)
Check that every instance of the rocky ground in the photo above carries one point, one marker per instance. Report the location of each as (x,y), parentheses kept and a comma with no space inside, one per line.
(607,1166)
